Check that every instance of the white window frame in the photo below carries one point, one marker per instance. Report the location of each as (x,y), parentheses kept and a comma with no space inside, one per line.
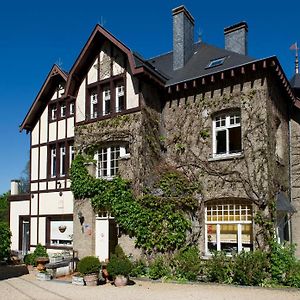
(53,161)
(63,108)
(62,160)
(94,105)
(71,154)
(109,161)
(221,122)
(72,108)
(106,98)
(237,207)
(53,112)
(120,91)
(58,238)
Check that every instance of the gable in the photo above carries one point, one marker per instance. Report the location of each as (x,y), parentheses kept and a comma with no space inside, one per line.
(49,90)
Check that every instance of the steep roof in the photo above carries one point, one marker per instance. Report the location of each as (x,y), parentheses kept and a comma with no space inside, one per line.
(55,76)
(197,66)
(295,81)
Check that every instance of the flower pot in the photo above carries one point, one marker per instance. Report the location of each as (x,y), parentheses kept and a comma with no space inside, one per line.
(77,280)
(41,261)
(121,280)
(91,279)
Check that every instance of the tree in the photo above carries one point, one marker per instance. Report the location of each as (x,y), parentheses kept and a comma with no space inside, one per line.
(4,207)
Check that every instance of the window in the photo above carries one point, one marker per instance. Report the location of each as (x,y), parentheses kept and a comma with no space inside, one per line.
(216,62)
(72,108)
(53,112)
(61,232)
(63,109)
(72,154)
(108,161)
(106,101)
(120,98)
(53,161)
(62,161)
(228,226)
(227,139)
(94,105)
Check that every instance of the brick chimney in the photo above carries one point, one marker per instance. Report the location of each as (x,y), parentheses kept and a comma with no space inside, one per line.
(236,38)
(183,36)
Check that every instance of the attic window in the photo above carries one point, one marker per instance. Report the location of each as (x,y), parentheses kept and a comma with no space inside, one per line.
(216,62)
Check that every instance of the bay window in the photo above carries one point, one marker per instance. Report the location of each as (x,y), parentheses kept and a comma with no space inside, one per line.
(227,139)
(228,226)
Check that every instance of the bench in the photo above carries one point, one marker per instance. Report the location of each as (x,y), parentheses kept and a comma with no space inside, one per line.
(59,264)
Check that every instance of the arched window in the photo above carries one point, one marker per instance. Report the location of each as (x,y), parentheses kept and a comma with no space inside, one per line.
(228,226)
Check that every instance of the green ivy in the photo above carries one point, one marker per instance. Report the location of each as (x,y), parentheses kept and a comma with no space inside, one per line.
(156,222)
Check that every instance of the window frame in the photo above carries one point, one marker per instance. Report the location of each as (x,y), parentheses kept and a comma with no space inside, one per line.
(238,222)
(94,102)
(119,94)
(106,98)
(226,116)
(62,160)
(53,161)
(108,162)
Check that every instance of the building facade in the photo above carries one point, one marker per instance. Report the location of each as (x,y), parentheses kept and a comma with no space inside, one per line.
(220,117)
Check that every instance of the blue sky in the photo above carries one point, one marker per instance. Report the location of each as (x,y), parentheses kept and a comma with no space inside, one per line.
(36,34)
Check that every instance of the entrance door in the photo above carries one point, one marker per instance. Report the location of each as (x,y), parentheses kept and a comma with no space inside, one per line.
(25,236)
(106,237)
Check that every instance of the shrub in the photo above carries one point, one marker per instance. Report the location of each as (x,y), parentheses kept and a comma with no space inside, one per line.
(5,235)
(139,268)
(39,251)
(89,265)
(293,275)
(119,266)
(250,268)
(187,263)
(28,259)
(219,268)
(282,263)
(159,268)
(119,252)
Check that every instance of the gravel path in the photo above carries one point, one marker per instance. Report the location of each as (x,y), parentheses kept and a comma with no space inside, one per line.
(27,287)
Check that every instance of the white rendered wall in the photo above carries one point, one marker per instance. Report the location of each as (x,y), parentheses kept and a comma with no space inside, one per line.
(92,73)
(132,96)
(42,230)
(35,134)
(33,231)
(17,208)
(61,129)
(70,127)
(52,203)
(34,204)
(52,132)
(44,126)
(34,163)
(80,103)
(43,162)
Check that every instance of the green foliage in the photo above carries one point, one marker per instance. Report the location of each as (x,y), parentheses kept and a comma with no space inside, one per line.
(157,225)
(28,259)
(293,275)
(4,207)
(39,251)
(282,262)
(89,265)
(5,242)
(119,252)
(139,268)
(204,134)
(250,268)
(119,265)
(187,263)
(159,268)
(219,268)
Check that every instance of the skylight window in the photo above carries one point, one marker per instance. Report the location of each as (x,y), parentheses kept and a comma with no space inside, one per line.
(216,62)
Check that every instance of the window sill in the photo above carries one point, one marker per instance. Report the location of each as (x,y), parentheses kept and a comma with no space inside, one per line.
(227,156)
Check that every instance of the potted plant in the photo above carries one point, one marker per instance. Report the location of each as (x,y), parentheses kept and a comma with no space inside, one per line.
(29,262)
(119,268)
(77,279)
(89,266)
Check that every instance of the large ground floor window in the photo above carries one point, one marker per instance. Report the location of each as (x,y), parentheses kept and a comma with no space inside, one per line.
(228,226)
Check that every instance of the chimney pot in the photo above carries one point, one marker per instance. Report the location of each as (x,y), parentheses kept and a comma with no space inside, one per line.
(14,187)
